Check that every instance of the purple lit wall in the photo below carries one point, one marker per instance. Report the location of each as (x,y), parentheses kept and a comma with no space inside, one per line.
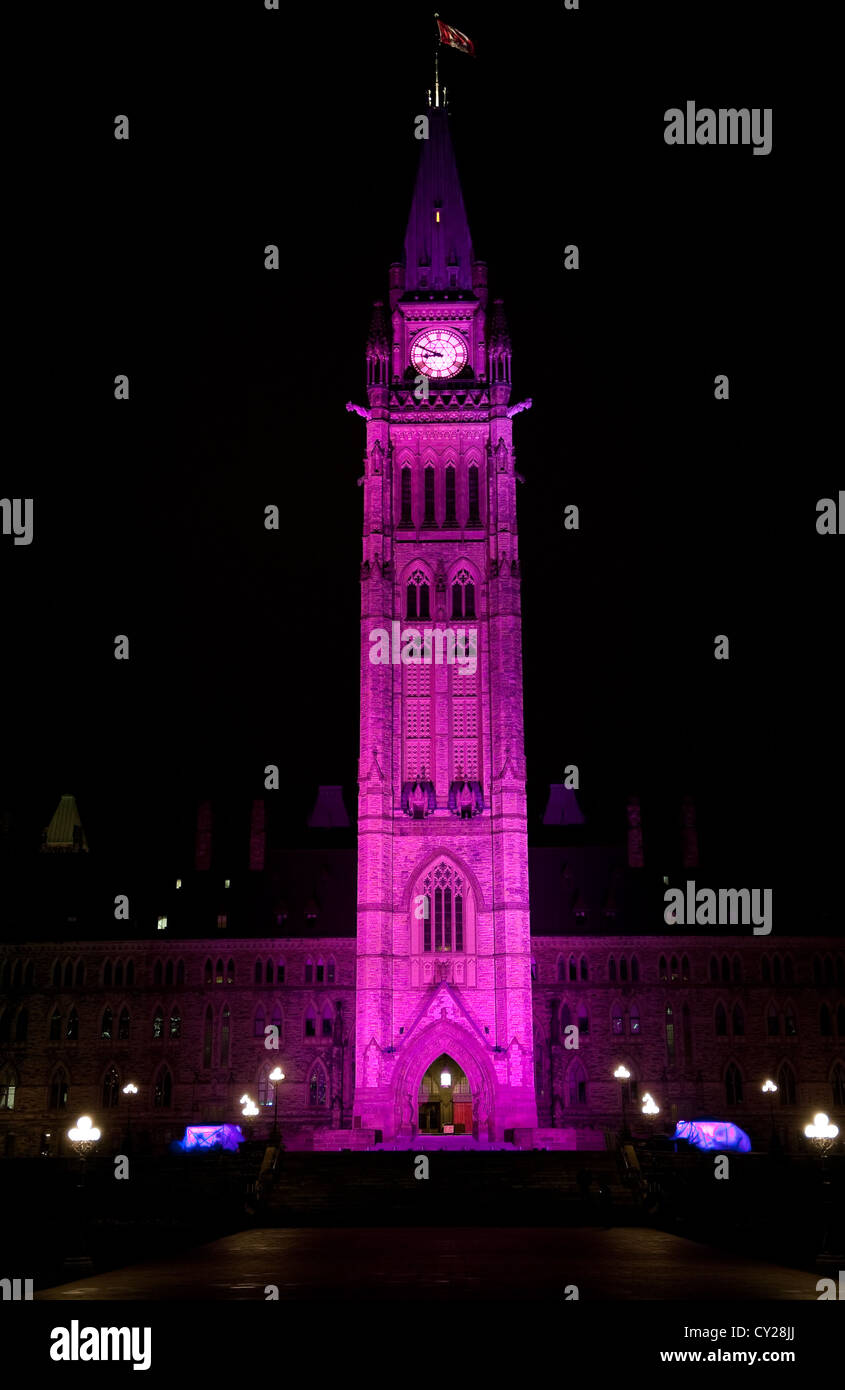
(444,960)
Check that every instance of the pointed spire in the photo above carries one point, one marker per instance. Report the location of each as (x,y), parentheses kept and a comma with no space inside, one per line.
(438,245)
(65,834)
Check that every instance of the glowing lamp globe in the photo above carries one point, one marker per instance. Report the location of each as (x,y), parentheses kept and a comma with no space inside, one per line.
(821,1128)
(445,1078)
(276,1074)
(84,1135)
(622,1073)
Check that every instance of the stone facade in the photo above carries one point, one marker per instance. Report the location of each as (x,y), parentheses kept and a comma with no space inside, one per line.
(797,988)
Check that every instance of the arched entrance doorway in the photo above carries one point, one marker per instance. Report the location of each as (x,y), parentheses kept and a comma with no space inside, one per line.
(444,1103)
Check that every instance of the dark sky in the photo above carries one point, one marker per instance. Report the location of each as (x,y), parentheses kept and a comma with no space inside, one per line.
(698,517)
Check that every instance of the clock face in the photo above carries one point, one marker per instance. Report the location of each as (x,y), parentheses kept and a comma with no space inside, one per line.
(439,352)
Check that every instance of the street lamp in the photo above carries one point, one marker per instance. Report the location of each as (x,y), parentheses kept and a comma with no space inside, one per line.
(769,1088)
(83,1136)
(249,1110)
(129,1090)
(623,1075)
(822,1134)
(277,1076)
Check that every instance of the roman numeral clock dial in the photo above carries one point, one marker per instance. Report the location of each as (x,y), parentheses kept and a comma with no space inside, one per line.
(439,352)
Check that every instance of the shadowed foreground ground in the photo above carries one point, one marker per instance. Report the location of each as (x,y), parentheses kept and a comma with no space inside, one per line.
(622,1263)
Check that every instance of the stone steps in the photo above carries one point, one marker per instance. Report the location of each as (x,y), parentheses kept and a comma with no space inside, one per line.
(466,1186)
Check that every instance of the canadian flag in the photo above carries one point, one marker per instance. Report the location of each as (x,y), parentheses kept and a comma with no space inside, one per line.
(453,38)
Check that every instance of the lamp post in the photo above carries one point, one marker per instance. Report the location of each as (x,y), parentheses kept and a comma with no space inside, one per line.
(769,1088)
(277,1076)
(84,1136)
(822,1134)
(250,1109)
(650,1108)
(623,1076)
(129,1090)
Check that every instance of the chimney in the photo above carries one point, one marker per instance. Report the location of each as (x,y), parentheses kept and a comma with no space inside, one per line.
(689,834)
(256,836)
(202,858)
(636,858)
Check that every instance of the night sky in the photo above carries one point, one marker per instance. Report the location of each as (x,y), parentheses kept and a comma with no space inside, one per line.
(697,516)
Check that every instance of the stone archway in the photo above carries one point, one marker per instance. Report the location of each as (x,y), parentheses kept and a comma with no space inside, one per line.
(469,1054)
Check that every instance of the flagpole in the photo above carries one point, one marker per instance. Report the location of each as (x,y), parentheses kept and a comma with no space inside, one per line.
(437,64)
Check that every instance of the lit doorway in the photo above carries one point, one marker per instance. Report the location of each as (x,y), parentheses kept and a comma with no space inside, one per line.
(445,1099)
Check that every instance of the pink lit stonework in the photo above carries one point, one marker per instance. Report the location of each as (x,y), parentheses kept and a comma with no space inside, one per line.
(443,951)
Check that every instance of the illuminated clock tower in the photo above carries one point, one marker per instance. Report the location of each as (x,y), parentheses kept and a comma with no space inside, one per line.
(443,1027)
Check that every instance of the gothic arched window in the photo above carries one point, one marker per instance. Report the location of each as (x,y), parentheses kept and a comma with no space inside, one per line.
(72,1030)
(576,1084)
(56,1026)
(106,1024)
(259,1023)
(418,595)
(163,1089)
(168,973)
(463,594)
(123,1025)
(585,969)
(451,517)
(623,968)
(429,518)
(158,1023)
(444,888)
(634,1020)
(59,1090)
(175,1022)
(733,1084)
(111,1083)
(406,519)
(837,1083)
(317,1089)
(474,516)
(670,1034)
(721,1021)
(738,1021)
(225,1035)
